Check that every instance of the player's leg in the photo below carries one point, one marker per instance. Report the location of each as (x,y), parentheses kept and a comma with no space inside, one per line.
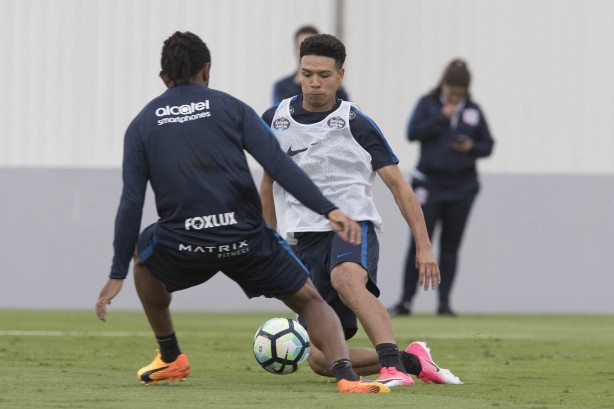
(326,334)
(154,298)
(454,218)
(154,273)
(169,363)
(350,279)
(325,331)
(364,361)
(416,359)
(311,250)
(353,276)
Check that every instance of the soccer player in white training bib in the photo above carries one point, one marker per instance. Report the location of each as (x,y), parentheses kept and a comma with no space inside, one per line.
(341,150)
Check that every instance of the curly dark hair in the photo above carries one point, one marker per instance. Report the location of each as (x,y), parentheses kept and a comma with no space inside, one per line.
(325,45)
(183,55)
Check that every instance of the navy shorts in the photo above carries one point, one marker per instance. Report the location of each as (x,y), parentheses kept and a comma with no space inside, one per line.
(322,251)
(262,264)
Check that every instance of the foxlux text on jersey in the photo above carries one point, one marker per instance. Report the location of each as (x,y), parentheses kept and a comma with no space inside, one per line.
(183,113)
(212,220)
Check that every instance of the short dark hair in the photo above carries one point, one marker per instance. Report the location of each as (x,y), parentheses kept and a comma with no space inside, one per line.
(325,45)
(183,55)
(305,30)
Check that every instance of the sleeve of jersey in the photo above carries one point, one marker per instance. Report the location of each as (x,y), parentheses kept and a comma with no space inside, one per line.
(130,210)
(260,142)
(370,137)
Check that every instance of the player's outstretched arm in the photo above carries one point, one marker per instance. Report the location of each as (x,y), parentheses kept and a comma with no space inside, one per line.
(428,269)
(109,291)
(345,227)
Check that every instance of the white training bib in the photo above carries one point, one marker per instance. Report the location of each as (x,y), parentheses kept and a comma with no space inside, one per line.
(335,162)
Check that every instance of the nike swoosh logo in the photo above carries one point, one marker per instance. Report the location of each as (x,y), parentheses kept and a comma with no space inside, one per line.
(146,376)
(283,365)
(434,366)
(296,152)
(387,381)
(344,254)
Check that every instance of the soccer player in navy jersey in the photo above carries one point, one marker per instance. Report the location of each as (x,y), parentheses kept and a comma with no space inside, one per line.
(342,149)
(189,144)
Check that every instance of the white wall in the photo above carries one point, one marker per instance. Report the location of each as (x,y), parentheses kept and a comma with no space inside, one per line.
(542,72)
(77,71)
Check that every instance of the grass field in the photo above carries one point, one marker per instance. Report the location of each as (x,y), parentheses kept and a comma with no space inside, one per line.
(68,359)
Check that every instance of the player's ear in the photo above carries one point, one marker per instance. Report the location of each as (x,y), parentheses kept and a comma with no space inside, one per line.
(341,74)
(166,79)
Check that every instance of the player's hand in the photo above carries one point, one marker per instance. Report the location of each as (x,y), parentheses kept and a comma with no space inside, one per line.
(345,227)
(109,291)
(428,270)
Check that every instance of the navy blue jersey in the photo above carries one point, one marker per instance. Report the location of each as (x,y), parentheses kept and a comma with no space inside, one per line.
(189,144)
(364,130)
(287,88)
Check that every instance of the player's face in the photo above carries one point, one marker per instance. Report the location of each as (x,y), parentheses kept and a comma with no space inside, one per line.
(320,79)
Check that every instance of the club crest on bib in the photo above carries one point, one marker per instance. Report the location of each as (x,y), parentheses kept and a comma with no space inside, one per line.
(336,122)
(281,124)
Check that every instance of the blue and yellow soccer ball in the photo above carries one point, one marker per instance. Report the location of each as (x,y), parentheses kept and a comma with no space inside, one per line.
(281,345)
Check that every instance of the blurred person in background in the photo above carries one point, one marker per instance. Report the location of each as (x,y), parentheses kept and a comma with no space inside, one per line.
(291,85)
(453,135)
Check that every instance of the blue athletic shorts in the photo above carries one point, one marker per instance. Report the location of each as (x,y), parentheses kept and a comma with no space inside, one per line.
(322,251)
(262,264)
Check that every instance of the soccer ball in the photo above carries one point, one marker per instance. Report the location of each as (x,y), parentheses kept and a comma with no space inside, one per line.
(280,345)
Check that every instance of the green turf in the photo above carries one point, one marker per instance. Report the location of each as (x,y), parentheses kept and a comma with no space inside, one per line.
(68,359)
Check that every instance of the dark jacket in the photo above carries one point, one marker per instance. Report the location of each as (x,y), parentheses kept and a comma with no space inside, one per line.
(444,168)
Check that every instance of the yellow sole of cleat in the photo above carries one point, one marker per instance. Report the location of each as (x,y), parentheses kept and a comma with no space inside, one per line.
(363,387)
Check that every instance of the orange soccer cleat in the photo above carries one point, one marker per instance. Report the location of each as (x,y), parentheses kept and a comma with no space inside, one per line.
(159,370)
(361,386)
